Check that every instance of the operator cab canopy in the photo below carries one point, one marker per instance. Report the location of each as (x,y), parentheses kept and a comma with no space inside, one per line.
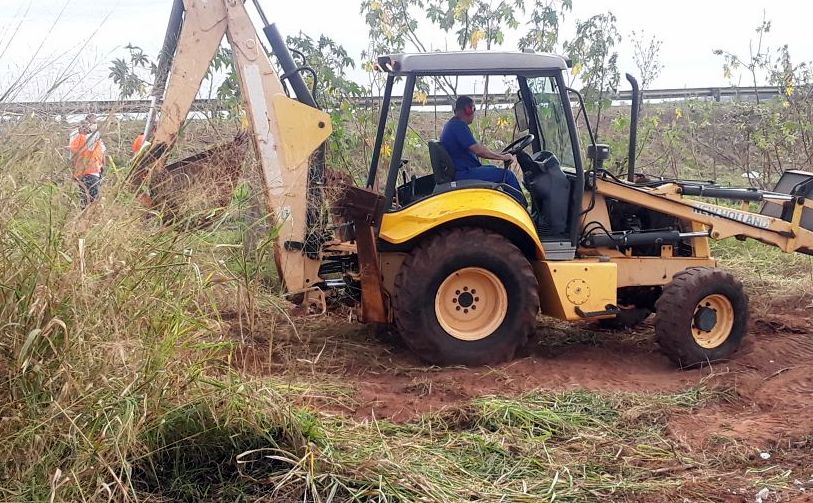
(412,166)
(472,63)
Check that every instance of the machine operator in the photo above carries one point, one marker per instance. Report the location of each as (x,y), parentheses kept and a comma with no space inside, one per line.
(466,152)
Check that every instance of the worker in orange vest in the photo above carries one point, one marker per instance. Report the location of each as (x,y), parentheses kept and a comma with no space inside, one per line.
(89,158)
(138,143)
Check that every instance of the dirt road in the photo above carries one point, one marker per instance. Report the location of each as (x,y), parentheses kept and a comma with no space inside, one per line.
(770,380)
(764,404)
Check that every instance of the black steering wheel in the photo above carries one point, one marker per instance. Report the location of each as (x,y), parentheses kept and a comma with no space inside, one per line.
(513,148)
(518,144)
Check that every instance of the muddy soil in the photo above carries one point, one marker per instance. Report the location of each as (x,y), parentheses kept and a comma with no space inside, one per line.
(771,377)
(766,389)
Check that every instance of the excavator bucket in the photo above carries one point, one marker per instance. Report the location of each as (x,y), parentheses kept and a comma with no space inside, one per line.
(196,187)
(794,183)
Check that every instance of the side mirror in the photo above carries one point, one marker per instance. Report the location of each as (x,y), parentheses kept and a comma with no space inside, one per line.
(521,116)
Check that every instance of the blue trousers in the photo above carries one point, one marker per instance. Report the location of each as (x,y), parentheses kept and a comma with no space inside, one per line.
(89,188)
(489,174)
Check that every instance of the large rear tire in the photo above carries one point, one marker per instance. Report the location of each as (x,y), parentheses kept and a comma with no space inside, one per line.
(467,297)
(702,316)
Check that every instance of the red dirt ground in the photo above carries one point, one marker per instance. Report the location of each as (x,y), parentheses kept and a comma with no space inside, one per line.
(767,388)
(771,376)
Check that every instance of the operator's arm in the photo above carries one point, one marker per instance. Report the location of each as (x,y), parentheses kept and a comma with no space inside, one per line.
(484,153)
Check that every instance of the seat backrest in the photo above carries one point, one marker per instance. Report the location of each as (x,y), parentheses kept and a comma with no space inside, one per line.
(442,164)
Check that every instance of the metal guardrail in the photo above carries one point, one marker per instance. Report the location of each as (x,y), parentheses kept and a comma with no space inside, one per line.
(715,93)
(142,106)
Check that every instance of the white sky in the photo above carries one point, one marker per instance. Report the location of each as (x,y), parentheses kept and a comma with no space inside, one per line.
(97,30)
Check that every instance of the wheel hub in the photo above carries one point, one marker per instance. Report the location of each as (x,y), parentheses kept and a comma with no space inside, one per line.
(471,304)
(466,299)
(705,319)
(713,321)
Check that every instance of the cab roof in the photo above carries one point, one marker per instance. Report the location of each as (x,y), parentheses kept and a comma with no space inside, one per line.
(472,63)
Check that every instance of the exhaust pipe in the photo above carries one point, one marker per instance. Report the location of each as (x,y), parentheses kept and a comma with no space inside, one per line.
(636,108)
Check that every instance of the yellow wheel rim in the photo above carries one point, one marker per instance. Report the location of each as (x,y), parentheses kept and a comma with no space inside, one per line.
(471,304)
(712,321)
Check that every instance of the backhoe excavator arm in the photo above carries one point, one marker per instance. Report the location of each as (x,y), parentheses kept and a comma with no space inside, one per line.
(286,133)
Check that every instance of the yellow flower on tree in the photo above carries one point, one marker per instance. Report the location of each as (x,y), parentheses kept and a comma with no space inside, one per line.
(476,37)
(461,7)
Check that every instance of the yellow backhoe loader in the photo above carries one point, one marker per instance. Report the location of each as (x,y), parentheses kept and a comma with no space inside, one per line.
(464,268)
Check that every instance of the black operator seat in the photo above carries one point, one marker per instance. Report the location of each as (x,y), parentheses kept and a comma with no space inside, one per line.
(442,164)
(550,192)
(444,172)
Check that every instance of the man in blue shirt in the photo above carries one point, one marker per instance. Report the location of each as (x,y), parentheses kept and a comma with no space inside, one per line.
(464,150)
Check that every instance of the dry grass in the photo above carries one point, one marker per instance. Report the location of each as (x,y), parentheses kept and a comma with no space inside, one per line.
(117,381)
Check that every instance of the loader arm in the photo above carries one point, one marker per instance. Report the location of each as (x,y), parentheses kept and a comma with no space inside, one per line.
(721,222)
(285,132)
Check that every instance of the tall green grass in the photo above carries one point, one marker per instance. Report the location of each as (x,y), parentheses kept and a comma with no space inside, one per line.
(116,385)
(766,271)
(106,322)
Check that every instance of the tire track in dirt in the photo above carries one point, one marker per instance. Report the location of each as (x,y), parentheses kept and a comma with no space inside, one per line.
(773,380)
(771,377)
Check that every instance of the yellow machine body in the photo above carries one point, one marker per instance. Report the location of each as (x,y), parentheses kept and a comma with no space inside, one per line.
(565,288)
(571,290)
(456,207)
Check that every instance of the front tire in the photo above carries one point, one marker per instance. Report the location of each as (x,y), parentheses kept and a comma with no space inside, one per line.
(466,297)
(702,316)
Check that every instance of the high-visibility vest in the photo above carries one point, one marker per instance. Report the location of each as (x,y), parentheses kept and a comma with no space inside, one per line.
(138,143)
(87,154)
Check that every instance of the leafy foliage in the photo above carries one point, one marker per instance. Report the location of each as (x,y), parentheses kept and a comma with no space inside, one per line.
(130,73)
(773,136)
(477,21)
(229,89)
(392,25)
(331,62)
(759,57)
(595,61)
(546,19)
(646,55)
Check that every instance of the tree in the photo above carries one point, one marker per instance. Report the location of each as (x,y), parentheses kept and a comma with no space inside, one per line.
(393,28)
(475,22)
(483,21)
(595,62)
(758,60)
(646,53)
(392,25)
(331,63)
(130,73)
(134,74)
(488,24)
(546,19)
(223,62)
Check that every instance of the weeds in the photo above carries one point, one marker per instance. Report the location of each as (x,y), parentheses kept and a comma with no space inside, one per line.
(115,388)
(117,381)
(766,269)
